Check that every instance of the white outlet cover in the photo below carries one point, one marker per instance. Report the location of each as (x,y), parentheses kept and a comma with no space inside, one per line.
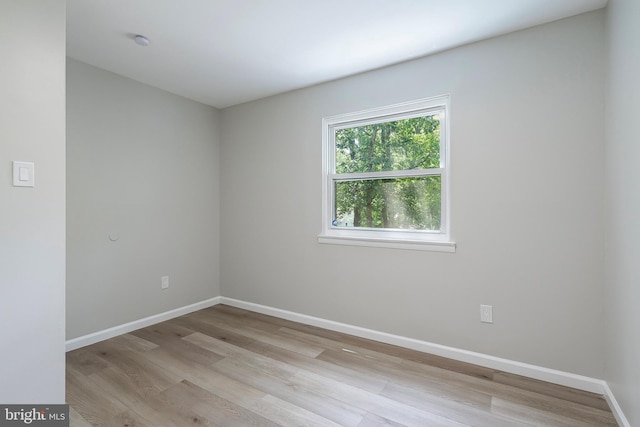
(486,313)
(164,281)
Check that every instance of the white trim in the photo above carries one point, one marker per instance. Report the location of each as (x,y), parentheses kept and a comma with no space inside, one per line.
(105,334)
(362,176)
(432,104)
(433,246)
(532,371)
(615,408)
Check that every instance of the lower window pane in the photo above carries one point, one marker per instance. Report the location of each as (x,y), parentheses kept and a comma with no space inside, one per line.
(398,203)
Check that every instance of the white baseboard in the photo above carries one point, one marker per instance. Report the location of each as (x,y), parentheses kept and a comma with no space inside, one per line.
(567,379)
(137,324)
(532,371)
(580,382)
(615,407)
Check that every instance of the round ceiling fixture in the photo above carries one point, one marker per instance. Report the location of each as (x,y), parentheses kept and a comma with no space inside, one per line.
(141,40)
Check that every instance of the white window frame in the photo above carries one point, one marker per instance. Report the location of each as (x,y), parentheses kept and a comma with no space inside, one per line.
(439,241)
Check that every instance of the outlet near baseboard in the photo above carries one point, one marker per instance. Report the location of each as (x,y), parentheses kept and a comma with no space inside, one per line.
(486,313)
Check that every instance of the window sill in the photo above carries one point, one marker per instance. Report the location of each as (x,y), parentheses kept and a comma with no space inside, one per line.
(415,245)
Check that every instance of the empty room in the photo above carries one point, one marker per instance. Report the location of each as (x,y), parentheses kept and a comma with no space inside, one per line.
(354,213)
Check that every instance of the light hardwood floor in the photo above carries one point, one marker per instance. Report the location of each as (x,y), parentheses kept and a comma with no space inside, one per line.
(224,366)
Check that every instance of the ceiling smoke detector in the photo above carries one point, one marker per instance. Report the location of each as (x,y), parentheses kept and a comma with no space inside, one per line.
(141,40)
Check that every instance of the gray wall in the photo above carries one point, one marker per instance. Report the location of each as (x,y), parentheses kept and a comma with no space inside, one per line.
(32,226)
(142,163)
(622,293)
(527,147)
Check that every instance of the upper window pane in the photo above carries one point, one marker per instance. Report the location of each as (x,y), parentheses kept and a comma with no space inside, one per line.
(404,144)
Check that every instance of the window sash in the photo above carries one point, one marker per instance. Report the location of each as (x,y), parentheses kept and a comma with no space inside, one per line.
(333,179)
(434,111)
(360,176)
(438,240)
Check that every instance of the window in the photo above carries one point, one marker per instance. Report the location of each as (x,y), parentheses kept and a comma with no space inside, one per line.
(386,177)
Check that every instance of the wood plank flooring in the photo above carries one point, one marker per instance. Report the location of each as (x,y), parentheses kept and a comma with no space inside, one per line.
(224,366)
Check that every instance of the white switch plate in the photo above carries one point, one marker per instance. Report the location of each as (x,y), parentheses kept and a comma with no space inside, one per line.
(164,282)
(486,313)
(23,174)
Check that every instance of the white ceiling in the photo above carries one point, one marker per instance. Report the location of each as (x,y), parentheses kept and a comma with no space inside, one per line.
(225,52)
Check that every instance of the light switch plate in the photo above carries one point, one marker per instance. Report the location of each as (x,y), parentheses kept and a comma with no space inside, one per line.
(23,174)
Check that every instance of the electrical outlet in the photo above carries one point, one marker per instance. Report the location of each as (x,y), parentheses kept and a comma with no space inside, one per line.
(486,313)
(164,282)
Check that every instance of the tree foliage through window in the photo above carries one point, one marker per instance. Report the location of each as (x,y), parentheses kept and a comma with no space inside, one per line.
(412,202)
